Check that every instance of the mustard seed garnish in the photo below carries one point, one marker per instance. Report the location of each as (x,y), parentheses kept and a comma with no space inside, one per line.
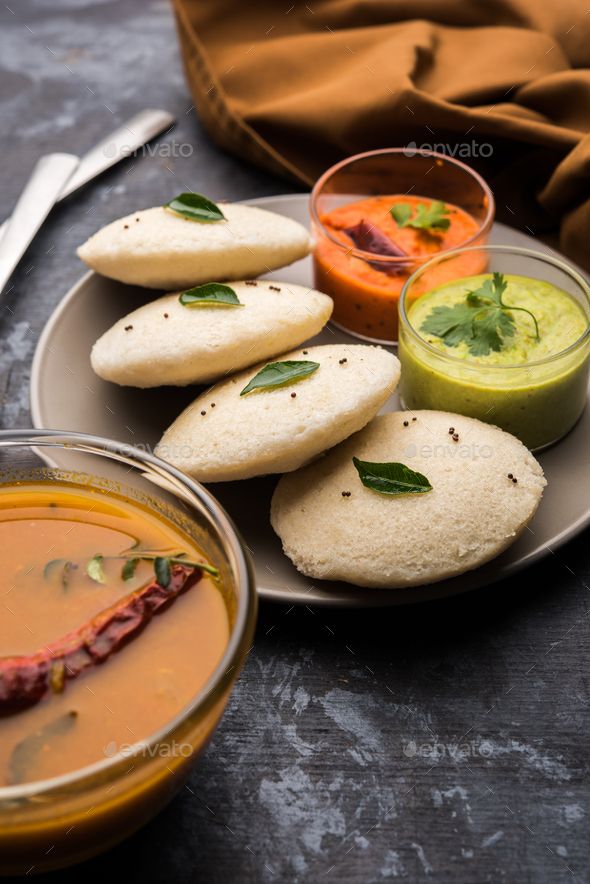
(451,431)
(251,282)
(406,423)
(414,418)
(342,361)
(305,352)
(514,479)
(128,327)
(213,405)
(203,412)
(274,288)
(455,437)
(293,395)
(510,476)
(137,219)
(126,226)
(346,493)
(166,315)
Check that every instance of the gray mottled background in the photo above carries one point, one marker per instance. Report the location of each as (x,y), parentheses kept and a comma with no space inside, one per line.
(443,742)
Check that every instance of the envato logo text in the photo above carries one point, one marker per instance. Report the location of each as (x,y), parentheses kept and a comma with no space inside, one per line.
(165,150)
(464,149)
(157,750)
(435,750)
(455,450)
(166,452)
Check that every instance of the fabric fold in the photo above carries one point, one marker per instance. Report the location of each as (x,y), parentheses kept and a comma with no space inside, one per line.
(503,85)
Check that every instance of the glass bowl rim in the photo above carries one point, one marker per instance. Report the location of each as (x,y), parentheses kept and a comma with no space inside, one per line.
(221,678)
(386,151)
(516,250)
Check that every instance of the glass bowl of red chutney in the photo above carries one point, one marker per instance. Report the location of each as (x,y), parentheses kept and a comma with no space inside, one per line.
(378,216)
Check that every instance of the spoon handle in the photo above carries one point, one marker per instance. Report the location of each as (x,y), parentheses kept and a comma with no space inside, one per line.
(34,204)
(121,143)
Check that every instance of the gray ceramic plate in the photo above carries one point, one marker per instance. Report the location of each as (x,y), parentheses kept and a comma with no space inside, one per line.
(65,394)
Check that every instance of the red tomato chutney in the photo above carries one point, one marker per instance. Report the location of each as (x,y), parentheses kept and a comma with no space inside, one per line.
(365,291)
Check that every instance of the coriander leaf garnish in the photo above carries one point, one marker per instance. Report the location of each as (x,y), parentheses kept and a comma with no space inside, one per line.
(95,570)
(431,217)
(52,566)
(163,571)
(210,293)
(482,321)
(62,566)
(129,568)
(491,292)
(401,212)
(195,207)
(391,478)
(34,744)
(279,374)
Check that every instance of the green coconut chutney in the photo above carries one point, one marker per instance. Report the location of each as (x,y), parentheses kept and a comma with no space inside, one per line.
(533,388)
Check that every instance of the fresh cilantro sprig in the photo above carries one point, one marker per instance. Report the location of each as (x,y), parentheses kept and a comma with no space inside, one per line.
(483,321)
(427,217)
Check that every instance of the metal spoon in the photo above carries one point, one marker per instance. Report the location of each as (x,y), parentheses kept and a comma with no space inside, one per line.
(121,143)
(41,192)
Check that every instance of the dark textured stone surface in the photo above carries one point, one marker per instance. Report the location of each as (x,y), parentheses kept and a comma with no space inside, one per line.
(444,742)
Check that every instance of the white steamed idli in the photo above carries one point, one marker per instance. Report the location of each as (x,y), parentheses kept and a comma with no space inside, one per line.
(160,249)
(333,527)
(165,342)
(223,436)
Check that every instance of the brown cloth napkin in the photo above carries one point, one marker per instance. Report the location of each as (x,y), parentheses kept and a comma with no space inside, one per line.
(504,84)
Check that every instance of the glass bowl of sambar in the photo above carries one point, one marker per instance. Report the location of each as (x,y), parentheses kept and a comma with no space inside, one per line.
(129,609)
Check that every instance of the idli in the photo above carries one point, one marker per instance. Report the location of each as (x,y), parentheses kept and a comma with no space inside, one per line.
(166,342)
(161,249)
(249,426)
(477,488)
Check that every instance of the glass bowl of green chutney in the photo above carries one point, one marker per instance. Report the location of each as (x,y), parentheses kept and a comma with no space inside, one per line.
(509,346)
